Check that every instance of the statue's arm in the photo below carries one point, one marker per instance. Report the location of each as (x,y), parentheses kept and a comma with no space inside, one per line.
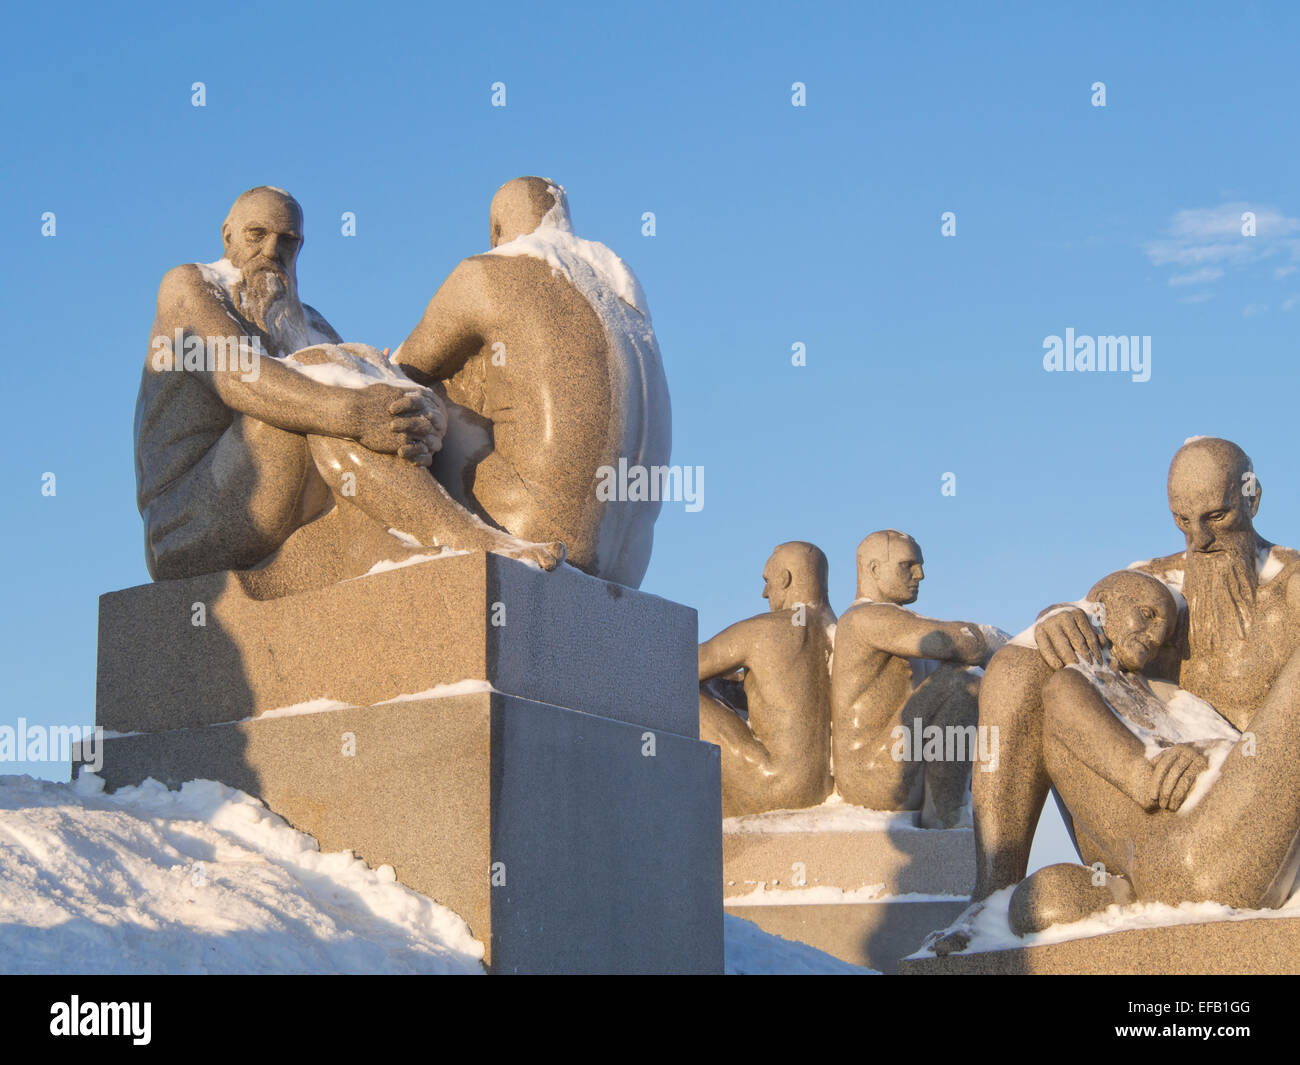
(732,648)
(274,393)
(453,326)
(896,631)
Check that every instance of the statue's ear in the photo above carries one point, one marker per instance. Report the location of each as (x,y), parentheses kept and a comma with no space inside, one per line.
(786,579)
(225,235)
(1255,498)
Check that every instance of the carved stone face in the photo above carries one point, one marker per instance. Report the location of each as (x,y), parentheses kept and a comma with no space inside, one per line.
(1208,503)
(1140,617)
(264,233)
(777,583)
(1214,496)
(899,578)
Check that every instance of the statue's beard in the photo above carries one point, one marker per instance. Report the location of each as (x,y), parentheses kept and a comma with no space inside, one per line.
(268,298)
(1220,591)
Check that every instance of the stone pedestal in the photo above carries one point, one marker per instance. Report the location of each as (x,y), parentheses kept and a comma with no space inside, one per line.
(542,777)
(1217,948)
(863,886)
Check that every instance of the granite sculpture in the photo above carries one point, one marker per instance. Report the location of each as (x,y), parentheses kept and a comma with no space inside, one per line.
(552,374)
(765,690)
(379,658)
(262,441)
(896,672)
(1189,790)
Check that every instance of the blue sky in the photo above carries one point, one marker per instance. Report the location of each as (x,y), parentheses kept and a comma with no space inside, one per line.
(774,225)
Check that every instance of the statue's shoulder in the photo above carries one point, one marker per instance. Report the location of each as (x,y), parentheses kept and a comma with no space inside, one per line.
(865,614)
(1283,566)
(179,279)
(1159,567)
(1283,556)
(188,282)
(476,269)
(471,283)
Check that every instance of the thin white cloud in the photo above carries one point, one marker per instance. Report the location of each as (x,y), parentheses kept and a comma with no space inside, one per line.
(1209,241)
(1252,309)
(1290,303)
(1197,277)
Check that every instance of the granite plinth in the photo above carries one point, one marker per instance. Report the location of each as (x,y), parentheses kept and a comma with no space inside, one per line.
(872,934)
(865,887)
(562,638)
(565,845)
(763,851)
(1212,948)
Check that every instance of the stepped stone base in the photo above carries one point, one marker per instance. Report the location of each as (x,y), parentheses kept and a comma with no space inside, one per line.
(1214,948)
(577,837)
(900,859)
(789,873)
(873,934)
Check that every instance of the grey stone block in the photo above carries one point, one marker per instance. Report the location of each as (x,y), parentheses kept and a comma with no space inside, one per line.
(872,934)
(567,639)
(611,857)
(926,861)
(1217,948)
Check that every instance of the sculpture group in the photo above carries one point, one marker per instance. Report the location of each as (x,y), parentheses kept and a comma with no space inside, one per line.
(826,703)
(1206,695)
(1161,710)
(533,366)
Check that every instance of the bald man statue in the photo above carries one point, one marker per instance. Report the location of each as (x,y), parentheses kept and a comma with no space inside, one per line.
(1234,645)
(897,672)
(263,444)
(778,756)
(547,355)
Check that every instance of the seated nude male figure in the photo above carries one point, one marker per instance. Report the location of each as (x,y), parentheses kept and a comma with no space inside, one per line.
(894,668)
(1145,737)
(232,465)
(778,759)
(1233,646)
(546,351)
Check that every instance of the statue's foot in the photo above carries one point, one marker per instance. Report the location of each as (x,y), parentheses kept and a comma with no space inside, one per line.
(546,555)
(1060,894)
(953,942)
(956,937)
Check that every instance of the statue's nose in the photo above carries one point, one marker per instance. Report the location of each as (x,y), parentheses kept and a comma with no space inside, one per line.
(1201,537)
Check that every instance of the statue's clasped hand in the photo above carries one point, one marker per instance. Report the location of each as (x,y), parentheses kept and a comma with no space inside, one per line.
(409,423)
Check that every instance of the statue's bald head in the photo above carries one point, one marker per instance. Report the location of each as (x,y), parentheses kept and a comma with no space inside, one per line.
(890,567)
(519,207)
(1139,615)
(263,226)
(1213,491)
(796,572)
